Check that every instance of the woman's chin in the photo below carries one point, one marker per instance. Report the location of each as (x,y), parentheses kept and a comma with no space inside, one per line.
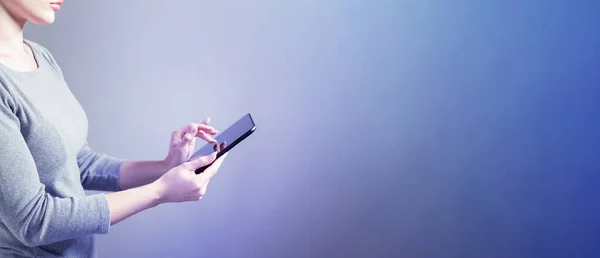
(44,19)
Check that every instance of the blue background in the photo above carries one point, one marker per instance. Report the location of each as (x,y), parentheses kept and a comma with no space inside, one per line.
(385,128)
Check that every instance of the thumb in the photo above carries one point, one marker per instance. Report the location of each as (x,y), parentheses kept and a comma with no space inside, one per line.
(204,187)
(188,136)
(200,161)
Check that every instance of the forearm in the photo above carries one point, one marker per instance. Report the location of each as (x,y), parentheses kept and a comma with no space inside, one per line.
(138,173)
(126,203)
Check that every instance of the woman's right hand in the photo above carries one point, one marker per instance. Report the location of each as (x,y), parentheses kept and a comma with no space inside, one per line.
(181,183)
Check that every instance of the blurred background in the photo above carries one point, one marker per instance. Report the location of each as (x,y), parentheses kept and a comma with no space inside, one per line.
(385,128)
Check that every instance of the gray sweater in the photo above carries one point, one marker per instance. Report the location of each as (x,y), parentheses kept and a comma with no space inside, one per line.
(45,165)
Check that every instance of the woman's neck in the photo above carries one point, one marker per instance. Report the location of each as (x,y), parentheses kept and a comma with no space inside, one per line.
(11,33)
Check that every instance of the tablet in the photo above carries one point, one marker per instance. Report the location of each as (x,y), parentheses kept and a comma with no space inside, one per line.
(231,137)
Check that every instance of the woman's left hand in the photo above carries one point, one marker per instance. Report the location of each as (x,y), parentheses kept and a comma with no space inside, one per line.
(183,142)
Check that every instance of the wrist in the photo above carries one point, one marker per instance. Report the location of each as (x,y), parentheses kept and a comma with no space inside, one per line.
(155,191)
(165,164)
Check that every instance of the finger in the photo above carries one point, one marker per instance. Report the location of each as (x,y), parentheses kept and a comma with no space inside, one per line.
(211,170)
(200,161)
(207,120)
(189,133)
(190,138)
(202,135)
(204,187)
(223,145)
(194,128)
(187,139)
(178,136)
(217,163)
(181,132)
(205,128)
(223,158)
(219,147)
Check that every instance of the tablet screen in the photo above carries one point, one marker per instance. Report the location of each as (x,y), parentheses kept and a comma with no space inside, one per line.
(231,136)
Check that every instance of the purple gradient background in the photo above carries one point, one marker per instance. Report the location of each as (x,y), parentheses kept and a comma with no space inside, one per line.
(385,128)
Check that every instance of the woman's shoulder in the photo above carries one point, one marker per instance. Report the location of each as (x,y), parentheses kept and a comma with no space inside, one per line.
(44,53)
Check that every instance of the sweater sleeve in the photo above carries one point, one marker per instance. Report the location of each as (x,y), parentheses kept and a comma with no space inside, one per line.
(31,214)
(98,171)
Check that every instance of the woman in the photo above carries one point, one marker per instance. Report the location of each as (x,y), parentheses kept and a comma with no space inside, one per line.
(46,162)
